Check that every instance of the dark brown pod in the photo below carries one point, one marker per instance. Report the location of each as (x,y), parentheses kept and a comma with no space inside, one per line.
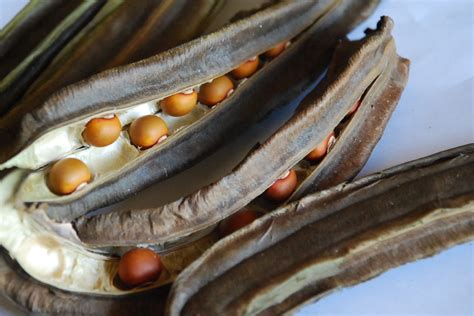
(337,238)
(372,68)
(307,58)
(121,33)
(57,23)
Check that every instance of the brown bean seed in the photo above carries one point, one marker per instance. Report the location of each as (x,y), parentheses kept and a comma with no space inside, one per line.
(139,266)
(67,175)
(237,221)
(102,132)
(246,69)
(147,130)
(281,189)
(179,104)
(275,51)
(215,91)
(321,150)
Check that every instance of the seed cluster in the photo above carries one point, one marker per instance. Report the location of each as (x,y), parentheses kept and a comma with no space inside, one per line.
(149,130)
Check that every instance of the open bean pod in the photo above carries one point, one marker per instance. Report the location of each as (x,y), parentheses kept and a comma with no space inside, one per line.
(369,68)
(73,273)
(34,37)
(336,238)
(55,130)
(46,273)
(122,32)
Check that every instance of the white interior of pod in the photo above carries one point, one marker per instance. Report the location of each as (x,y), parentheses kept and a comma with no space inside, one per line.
(50,258)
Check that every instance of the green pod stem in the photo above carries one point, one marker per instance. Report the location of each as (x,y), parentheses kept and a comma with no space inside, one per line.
(371,58)
(303,62)
(333,239)
(23,72)
(122,33)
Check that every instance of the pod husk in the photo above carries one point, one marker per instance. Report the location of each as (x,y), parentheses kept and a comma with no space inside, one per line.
(128,33)
(28,28)
(238,111)
(333,239)
(373,60)
(24,68)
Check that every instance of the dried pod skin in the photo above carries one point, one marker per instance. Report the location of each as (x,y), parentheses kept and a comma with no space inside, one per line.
(283,187)
(307,59)
(215,91)
(246,69)
(139,266)
(147,130)
(179,104)
(237,221)
(74,15)
(67,175)
(275,51)
(101,132)
(353,232)
(321,150)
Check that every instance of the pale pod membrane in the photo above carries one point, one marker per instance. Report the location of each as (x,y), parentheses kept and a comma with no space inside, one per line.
(51,259)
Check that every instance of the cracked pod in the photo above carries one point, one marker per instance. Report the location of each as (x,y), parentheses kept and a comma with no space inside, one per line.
(368,71)
(333,239)
(54,130)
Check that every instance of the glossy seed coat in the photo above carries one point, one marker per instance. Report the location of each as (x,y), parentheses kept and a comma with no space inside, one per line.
(215,91)
(147,130)
(282,188)
(139,266)
(67,175)
(246,69)
(321,150)
(179,104)
(101,132)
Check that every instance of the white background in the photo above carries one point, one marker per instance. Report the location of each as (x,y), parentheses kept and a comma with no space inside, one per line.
(435,113)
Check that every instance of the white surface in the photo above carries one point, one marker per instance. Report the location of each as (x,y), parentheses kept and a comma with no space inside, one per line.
(435,113)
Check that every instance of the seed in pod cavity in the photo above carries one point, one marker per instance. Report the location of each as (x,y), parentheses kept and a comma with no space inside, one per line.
(276,50)
(246,69)
(354,107)
(67,175)
(215,91)
(179,104)
(139,266)
(321,150)
(237,221)
(101,132)
(147,130)
(282,188)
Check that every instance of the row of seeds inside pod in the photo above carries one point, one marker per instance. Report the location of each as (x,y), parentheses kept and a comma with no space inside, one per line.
(141,265)
(71,174)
